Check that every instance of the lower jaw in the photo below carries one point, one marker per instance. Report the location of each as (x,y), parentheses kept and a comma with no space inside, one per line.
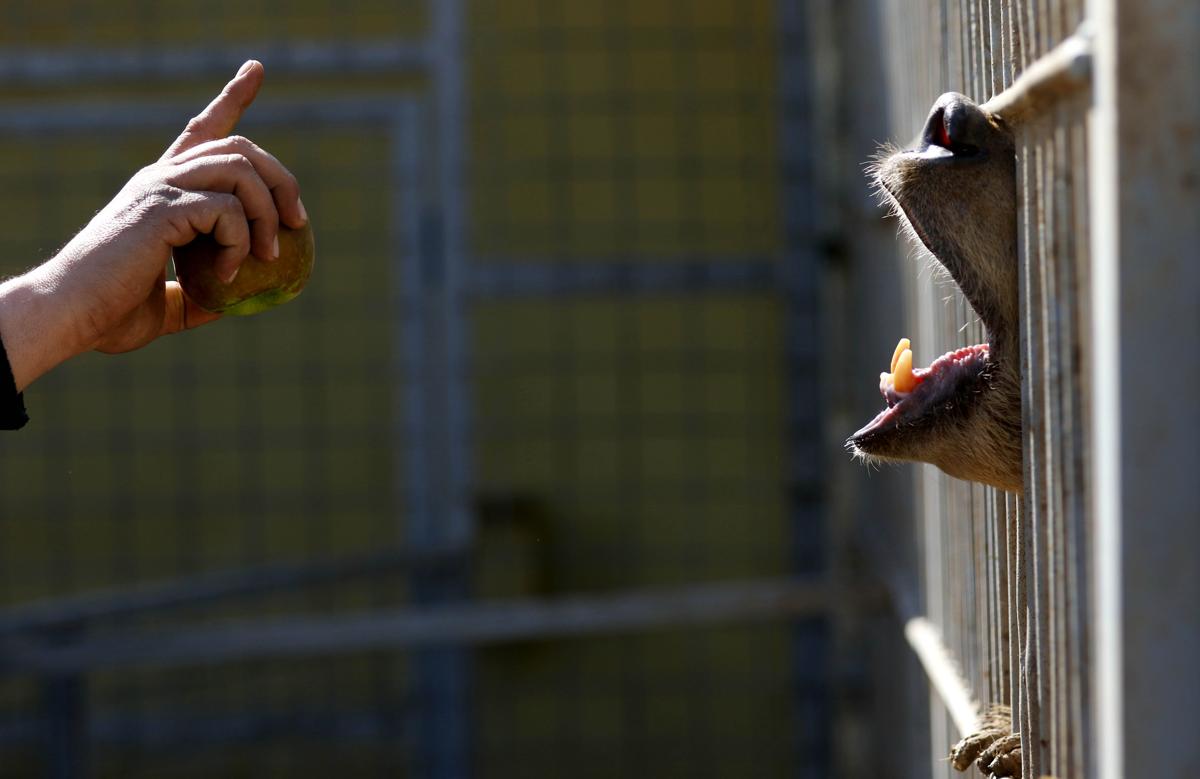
(971,361)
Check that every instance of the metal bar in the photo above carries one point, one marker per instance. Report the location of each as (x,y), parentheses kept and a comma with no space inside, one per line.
(1012,644)
(944,673)
(1145,165)
(40,118)
(1041,380)
(796,277)
(46,67)
(450,109)
(208,588)
(1080,514)
(469,624)
(1068,439)
(176,728)
(408,226)
(1001,587)
(411,236)
(539,278)
(1063,72)
(64,699)
(443,674)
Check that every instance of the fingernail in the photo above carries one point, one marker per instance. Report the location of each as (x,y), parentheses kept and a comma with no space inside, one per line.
(303,212)
(233,275)
(275,247)
(245,67)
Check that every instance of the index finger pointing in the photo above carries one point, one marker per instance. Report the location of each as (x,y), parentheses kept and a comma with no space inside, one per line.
(219,118)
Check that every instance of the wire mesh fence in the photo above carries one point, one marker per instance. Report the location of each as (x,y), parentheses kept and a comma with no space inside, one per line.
(1006,579)
(554,344)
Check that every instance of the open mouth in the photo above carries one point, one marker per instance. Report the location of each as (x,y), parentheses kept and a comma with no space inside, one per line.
(911,393)
(938,140)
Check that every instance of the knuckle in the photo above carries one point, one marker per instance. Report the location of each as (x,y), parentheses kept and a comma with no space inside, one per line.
(195,124)
(239,161)
(241,142)
(160,195)
(233,204)
(154,172)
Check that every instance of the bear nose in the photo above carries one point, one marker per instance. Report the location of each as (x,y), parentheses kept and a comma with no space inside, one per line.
(958,119)
(953,124)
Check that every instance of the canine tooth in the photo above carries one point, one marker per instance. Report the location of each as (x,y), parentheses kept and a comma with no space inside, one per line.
(903,378)
(900,347)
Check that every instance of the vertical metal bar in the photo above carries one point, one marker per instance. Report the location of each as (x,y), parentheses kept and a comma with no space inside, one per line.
(1030,293)
(993,509)
(409,356)
(1010,646)
(413,378)
(1048,528)
(1070,439)
(1003,688)
(998,60)
(1013,642)
(1042,516)
(1080,532)
(985,586)
(1026,718)
(1026,30)
(1144,419)
(443,675)
(65,705)
(798,271)
(980,617)
(798,265)
(448,37)
(982,46)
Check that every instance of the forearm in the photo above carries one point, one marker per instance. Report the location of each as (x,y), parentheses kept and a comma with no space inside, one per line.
(37,325)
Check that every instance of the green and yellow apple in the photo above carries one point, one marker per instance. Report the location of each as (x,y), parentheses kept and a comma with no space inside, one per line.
(259,285)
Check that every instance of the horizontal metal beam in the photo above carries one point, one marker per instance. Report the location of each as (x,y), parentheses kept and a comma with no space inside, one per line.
(475,623)
(208,588)
(175,727)
(1063,72)
(43,118)
(57,66)
(656,275)
(175,724)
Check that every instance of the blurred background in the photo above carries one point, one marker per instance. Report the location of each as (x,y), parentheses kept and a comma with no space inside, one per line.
(541,475)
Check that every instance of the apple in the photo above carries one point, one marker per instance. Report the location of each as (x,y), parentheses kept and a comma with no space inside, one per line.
(259,285)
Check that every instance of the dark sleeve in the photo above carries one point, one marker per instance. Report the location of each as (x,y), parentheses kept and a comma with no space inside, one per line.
(12,403)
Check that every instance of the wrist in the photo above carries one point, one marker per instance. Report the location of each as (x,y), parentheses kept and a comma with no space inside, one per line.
(37,328)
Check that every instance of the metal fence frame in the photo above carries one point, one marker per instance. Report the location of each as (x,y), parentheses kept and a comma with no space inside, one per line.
(1077,605)
(1144,283)
(56,640)
(1005,579)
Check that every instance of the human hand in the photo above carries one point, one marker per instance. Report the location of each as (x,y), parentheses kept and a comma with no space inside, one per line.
(107,289)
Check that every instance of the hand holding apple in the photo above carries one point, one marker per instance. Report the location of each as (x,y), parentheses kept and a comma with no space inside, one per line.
(259,285)
(108,289)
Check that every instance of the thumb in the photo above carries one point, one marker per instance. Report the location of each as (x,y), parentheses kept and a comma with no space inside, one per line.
(219,118)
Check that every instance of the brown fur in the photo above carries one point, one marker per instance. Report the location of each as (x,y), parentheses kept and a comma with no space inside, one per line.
(963,210)
(993,747)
